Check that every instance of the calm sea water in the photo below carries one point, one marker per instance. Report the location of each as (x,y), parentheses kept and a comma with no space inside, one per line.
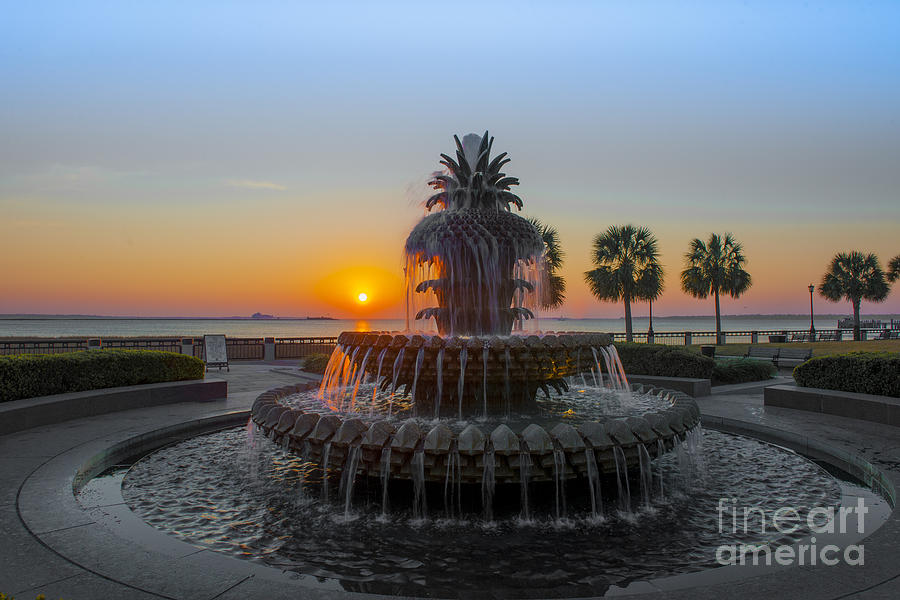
(116,327)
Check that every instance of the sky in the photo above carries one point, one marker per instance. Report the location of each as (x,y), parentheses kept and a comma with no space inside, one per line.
(222,158)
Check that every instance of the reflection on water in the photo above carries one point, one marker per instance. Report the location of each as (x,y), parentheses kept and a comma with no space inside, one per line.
(250,499)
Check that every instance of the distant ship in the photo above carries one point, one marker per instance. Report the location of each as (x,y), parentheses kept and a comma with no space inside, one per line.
(261,316)
(321,319)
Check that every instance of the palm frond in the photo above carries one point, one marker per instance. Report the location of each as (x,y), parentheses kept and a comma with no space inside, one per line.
(854,276)
(715,267)
(893,273)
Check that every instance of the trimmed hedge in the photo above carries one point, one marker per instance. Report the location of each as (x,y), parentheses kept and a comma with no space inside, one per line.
(860,372)
(30,375)
(664,361)
(740,370)
(315,363)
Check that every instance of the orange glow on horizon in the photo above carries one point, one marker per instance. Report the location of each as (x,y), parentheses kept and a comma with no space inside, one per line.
(340,290)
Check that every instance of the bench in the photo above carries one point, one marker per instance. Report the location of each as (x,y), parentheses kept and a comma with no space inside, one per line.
(763,353)
(793,355)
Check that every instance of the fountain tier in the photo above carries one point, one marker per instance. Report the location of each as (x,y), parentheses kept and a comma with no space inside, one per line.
(462,377)
(331,438)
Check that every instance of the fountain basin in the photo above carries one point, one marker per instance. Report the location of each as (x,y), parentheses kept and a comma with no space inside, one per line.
(328,439)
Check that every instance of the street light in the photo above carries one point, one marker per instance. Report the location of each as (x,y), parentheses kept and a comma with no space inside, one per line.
(812,328)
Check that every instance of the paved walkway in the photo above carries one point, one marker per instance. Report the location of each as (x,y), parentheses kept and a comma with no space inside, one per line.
(52,545)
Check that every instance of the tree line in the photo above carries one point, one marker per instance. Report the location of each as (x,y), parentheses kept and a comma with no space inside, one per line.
(627,269)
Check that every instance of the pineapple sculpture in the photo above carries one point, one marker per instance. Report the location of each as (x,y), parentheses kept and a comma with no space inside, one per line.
(477,260)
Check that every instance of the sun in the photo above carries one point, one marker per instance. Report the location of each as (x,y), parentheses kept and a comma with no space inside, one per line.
(362,297)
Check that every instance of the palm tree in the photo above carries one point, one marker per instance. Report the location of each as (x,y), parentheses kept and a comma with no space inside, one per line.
(715,267)
(854,277)
(893,273)
(555,294)
(627,268)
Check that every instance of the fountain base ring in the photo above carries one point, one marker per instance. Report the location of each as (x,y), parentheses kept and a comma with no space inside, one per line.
(329,440)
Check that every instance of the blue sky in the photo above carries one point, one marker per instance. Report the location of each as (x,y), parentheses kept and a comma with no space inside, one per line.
(768,119)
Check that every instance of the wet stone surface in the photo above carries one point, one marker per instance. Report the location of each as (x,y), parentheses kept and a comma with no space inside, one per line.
(246,497)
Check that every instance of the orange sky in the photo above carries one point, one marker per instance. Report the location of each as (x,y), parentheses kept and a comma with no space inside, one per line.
(293,261)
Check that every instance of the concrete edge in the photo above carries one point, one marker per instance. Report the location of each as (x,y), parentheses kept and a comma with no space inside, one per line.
(693,387)
(866,407)
(851,463)
(19,415)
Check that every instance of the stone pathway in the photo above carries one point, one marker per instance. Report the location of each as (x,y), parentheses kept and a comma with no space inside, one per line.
(52,545)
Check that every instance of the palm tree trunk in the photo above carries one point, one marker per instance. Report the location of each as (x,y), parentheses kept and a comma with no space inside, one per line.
(856,332)
(718,320)
(628,336)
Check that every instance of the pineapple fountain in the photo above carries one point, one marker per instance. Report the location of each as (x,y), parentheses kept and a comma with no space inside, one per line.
(472,405)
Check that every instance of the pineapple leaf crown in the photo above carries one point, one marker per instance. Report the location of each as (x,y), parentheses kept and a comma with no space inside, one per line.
(474,180)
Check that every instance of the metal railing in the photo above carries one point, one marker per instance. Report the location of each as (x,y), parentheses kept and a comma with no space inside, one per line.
(761,336)
(300,347)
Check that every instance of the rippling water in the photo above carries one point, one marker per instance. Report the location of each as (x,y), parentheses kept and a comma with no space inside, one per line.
(253,501)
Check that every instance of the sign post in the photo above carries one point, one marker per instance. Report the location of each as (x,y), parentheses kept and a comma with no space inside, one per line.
(216,352)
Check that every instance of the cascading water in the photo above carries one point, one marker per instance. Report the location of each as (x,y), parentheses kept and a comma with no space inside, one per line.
(646,475)
(487,487)
(485,354)
(359,377)
(348,478)
(377,381)
(385,478)
(593,482)
(439,368)
(524,474)
(660,451)
(624,487)
(460,386)
(396,373)
(559,466)
(326,450)
(417,469)
(506,388)
(453,485)
(420,358)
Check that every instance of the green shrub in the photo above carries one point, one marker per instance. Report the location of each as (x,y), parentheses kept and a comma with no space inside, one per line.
(739,370)
(861,372)
(315,363)
(30,375)
(664,361)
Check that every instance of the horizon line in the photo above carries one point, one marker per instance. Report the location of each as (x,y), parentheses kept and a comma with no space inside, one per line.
(328,317)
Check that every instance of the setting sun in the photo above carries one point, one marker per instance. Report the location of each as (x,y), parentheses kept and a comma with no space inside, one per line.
(363,297)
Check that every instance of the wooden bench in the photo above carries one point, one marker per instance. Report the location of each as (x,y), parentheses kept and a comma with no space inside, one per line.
(763,353)
(888,334)
(793,355)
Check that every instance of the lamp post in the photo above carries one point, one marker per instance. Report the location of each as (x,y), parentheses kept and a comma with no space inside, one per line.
(812,328)
(650,330)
